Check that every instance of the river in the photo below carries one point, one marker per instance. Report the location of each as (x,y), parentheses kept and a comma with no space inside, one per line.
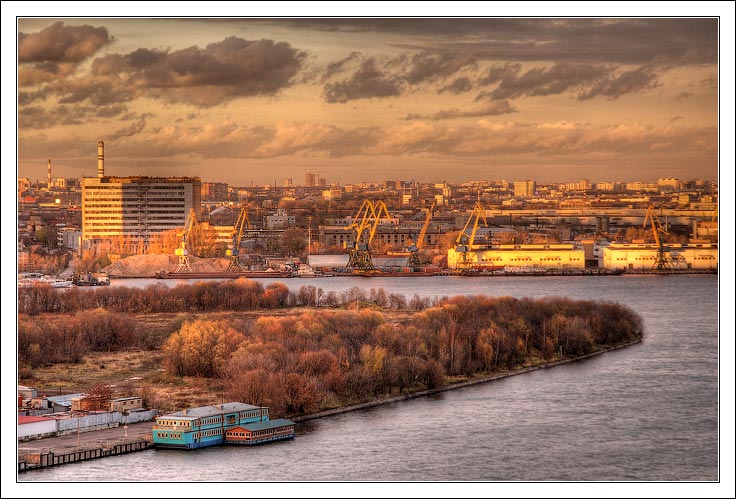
(649,412)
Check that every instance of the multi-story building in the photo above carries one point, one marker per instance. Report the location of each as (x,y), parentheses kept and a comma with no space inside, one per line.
(214,191)
(525,188)
(332,194)
(583,185)
(311,179)
(669,184)
(280,220)
(132,209)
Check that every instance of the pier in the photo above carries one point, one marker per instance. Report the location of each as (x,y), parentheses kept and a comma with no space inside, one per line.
(71,448)
(34,458)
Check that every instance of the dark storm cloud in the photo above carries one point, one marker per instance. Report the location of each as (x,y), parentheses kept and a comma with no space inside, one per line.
(55,52)
(426,67)
(588,80)
(458,86)
(489,109)
(336,67)
(549,81)
(683,95)
(42,72)
(606,40)
(38,118)
(204,77)
(624,83)
(130,130)
(397,75)
(368,81)
(499,72)
(97,91)
(59,43)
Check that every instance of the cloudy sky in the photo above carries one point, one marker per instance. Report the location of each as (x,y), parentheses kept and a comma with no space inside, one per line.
(261,100)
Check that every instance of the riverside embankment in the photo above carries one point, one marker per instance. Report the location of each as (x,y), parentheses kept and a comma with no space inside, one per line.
(55,451)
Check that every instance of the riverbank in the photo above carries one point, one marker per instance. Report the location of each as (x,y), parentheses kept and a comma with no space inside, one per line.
(56,451)
(458,385)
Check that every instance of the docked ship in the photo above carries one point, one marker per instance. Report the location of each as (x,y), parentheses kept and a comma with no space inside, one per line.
(31,279)
(229,423)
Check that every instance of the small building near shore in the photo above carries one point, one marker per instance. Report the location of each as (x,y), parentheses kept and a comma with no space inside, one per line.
(125,404)
(59,403)
(35,426)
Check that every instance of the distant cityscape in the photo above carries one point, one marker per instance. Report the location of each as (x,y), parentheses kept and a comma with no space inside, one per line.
(62,218)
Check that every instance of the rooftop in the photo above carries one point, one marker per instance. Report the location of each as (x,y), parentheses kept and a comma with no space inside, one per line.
(210,410)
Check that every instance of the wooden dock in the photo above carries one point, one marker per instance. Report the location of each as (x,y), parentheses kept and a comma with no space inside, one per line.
(32,459)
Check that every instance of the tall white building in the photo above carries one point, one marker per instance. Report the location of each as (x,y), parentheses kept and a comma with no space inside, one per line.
(132,209)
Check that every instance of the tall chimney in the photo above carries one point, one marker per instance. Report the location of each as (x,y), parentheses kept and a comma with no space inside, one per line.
(100,159)
(48,184)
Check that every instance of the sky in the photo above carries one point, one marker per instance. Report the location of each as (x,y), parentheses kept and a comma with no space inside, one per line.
(618,94)
(259,100)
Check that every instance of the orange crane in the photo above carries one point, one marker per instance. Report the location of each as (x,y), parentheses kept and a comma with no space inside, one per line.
(414,248)
(466,239)
(368,217)
(663,261)
(183,251)
(233,250)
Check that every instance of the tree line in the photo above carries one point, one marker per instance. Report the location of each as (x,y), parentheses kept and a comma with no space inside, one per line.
(320,359)
(324,358)
(240,294)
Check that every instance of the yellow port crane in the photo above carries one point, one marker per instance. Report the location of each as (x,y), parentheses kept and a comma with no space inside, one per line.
(236,236)
(368,217)
(183,251)
(466,239)
(414,248)
(663,261)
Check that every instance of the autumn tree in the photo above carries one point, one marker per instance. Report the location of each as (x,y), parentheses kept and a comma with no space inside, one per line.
(201,348)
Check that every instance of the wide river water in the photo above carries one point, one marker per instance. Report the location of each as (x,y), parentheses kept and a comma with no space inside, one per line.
(648,412)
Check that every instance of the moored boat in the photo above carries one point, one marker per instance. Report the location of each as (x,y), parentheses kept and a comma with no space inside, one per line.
(260,433)
(209,425)
(31,279)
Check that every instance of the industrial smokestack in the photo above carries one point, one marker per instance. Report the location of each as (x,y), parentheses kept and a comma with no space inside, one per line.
(100,159)
(48,184)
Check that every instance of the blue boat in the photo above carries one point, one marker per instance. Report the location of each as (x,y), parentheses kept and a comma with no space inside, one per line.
(209,425)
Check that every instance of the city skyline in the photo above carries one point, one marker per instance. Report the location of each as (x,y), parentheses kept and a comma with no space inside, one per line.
(260,100)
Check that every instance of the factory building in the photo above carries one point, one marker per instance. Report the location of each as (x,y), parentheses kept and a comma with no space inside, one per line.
(133,209)
(560,256)
(692,256)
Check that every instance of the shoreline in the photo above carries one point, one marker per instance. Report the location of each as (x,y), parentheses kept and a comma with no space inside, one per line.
(54,455)
(455,386)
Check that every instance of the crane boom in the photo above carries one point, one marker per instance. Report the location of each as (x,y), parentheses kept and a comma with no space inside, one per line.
(662,261)
(414,248)
(379,209)
(183,251)
(236,236)
(367,218)
(466,239)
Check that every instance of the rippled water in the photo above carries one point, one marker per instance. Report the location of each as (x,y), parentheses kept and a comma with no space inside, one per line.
(648,412)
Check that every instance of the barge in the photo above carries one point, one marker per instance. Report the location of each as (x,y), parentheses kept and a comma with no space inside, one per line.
(229,423)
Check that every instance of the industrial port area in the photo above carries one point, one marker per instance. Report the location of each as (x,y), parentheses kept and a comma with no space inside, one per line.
(179,227)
